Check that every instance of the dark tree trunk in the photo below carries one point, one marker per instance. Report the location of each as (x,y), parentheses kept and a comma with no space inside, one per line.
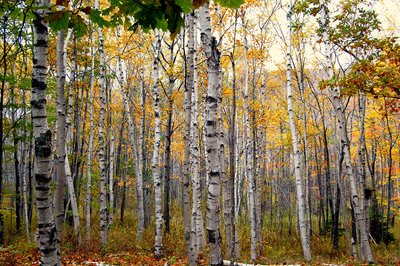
(167,167)
(1,125)
(123,196)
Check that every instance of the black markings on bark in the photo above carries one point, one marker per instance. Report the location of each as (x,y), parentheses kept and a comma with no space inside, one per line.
(211,99)
(41,43)
(40,85)
(38,105)
(210,123)
(214,174)
(42,178)
(213,236)
(38,24)
(44,225)
(43,189)
(43,144)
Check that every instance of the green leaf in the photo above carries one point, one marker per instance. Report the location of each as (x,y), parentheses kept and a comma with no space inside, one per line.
(95,16)
(231,3)
(60,21)
(162,24)
(186,5)
(78,25)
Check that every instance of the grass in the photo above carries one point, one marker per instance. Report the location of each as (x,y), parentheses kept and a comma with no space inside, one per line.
(124,248)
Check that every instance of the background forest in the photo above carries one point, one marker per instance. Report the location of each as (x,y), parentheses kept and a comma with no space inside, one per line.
(144,132)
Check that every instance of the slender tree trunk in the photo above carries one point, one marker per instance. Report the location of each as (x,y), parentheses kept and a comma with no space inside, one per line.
(24,167)
(88,197)
(361,159)
(123,197)
(194,140)
(73,200)
(61,123)
(301,204)
(189,68)
(307,176)
(111,180)
(390,169)
(229,202)
(136,154)
(249,152)
(214,170)
(16,164)
(343,137)
(67,139)
(50,254)
(3,87)
(102,146)
(168,137)
(141,159)
(156,161)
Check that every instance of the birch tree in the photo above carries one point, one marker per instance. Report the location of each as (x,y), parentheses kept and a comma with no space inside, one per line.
(189,69)
(50,254)
(365,248)
(61,123)
(88,195)
(249,149)
(301,203)
(102,159)
(156,149)
(212,55)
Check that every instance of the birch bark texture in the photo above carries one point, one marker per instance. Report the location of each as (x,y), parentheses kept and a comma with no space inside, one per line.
(50,254)
(156,150)
(249,149)
(365,248)
(102,145)
(61,124)
(193,142)
(212,55)
(301,198)
(88,195)
(187,158)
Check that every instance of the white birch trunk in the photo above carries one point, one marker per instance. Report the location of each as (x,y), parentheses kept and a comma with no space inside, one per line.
(194,141)
(67,169)
(88,195)
(139,165)
(103,175)
(365,248)
(361,159)
(50,254)
(249,152)
(201,241)
(156,159)
(214,171)
(111,181)
(301,201)
(72,197)
(186,171)
(237,194)
(61,123)
(24,173)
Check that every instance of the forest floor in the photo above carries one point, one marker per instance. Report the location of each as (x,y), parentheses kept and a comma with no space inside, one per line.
(280,247)
(29,255)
